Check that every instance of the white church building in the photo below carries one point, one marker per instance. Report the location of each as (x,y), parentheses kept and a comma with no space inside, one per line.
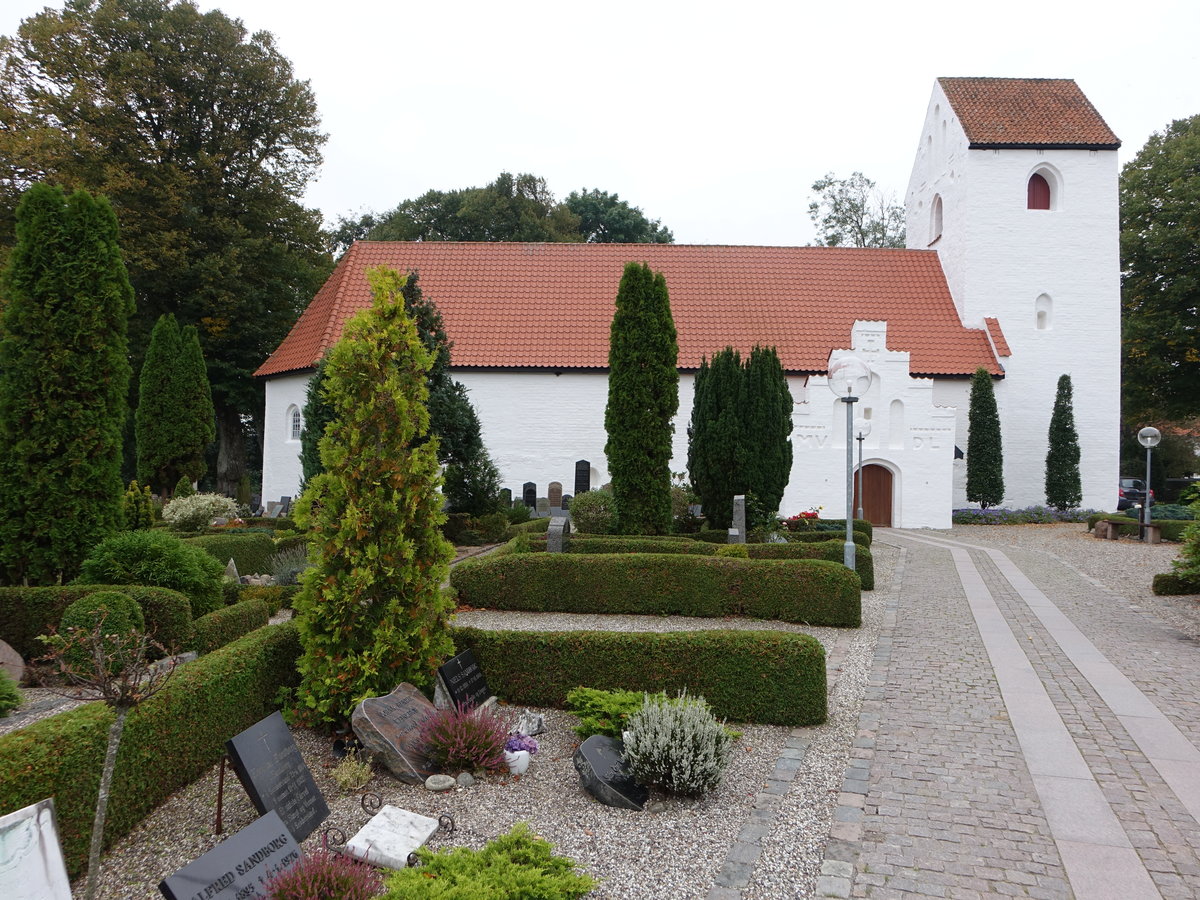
(1012,264)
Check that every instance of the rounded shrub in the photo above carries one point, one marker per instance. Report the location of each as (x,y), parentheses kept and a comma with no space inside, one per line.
(157,559)
(594,512)
(10,694)
(677,744)
(117,614)
(194,512)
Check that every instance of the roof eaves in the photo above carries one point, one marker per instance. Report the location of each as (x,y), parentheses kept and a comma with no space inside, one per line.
(998,145)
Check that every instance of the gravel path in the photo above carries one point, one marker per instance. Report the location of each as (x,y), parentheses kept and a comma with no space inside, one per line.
(754,837)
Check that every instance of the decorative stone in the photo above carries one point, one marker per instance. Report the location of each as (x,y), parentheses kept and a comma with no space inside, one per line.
(440,783)
(31,858)
(1101,530)
(530,723)
(231,571)
(239,867)
(389,726)
(605,776)
(390,835)
(557,535)
(465,779)
(11,662)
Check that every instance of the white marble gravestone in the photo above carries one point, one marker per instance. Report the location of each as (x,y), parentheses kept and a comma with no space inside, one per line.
(390,836)
(31,860)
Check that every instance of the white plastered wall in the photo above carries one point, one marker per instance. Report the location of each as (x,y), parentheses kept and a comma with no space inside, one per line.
(999,258)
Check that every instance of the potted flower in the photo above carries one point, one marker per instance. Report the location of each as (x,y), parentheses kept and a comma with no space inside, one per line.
(517,750)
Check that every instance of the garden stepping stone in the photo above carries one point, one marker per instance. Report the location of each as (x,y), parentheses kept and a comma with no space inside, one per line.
(390,836)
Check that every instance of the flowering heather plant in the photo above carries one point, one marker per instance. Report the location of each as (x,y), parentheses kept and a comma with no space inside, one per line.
(322,875)
(463,738)
(517,742)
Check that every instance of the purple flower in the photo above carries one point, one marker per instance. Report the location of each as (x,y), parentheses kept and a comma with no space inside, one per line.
(521,742)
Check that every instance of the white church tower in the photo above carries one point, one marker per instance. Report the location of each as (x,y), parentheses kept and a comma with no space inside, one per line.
(1015,187)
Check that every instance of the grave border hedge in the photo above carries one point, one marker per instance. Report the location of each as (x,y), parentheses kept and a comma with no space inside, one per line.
(762,677)
(216,629)
(251,552)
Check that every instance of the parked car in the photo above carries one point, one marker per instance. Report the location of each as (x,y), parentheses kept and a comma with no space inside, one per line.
(1131,493)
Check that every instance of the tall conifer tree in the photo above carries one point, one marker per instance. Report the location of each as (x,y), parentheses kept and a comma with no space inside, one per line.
(197,416)
(715,449)
(643,396)
(1064,489)
(985,450)
(64,374)
(766,427)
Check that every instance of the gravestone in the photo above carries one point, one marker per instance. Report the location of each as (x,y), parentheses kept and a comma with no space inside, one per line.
(11,662)
(271,769)
(543,507)
(557,535)
(286,505)
(605,776)
(239,867)
(231,572)
(506,497)
(529,494)
(390,835)
(737,534)
(463,681)
(273,509)
(583,477)
(554,494)
(31,859)
(390,727)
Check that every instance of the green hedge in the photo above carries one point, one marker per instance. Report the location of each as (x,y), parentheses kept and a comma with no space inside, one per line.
(251,553)
(280,524)
(26,612)
(861,539)
(1172,529)
(813,591)
(767,677)
(833,550)
(1169,584)
(276,596)
(226,625)
(533,526)
(169,741)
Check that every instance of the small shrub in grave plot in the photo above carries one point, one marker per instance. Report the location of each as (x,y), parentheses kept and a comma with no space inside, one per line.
(459,738)
(158,559)
(324,873)
(678,745)
(603,712)
(195,512)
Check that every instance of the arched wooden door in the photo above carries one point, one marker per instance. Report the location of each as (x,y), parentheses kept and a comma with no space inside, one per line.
(877,494)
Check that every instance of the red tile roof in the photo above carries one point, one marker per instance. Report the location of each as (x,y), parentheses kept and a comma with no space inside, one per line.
(511,305)
(999,341)
(1027,112)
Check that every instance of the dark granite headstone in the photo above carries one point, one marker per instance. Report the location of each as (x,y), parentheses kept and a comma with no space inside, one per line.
(390,727)
(583,477)
(463,680)
(529,494)
(566,502)
(605,776)
(239,867)
(273,772)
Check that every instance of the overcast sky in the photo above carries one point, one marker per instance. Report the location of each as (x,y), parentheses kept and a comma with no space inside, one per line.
(714,118)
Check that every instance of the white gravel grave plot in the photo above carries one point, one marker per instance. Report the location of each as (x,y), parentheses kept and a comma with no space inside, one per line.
(675,852)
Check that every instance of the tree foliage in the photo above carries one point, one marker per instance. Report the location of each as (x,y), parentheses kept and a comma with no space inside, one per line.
(317,415)
(738,438)
(64,375)
(372,612)
(174,420)
(1064,489)
(643,395)
(1160,284)
(853,212)
(605,218)
(985,451)
(203,140)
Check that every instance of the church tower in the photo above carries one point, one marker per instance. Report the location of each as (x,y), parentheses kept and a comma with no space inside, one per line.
(1015,188)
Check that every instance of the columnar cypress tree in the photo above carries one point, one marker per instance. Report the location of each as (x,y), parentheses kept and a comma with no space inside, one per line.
(643,396)
(197,418)
(64,374)
(985,451)
(766,425)
(372,612)
(317,415)
(159,441)
(716,451)
(1064,490)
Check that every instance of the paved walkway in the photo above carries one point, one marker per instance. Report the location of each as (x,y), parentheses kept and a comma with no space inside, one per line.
(1025,733)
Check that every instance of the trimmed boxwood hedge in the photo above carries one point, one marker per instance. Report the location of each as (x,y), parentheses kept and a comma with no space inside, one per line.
(26,612)
(251,552)
(169,741)
(533,526)
(812,591)
(833,550)
(280,524)
(765,677)
(276,596)
(226,625)
(861,538)
(1169,584)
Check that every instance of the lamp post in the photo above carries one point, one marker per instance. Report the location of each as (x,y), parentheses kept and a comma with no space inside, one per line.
(848,374)
(1148,437)
(864,428)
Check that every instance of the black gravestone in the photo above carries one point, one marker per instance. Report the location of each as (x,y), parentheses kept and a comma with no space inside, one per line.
(269,765)
(583,477)
(464,680)
(529,494)
(605,776)
(239,867)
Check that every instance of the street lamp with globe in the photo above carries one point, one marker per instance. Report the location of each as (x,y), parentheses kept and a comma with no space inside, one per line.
(1148,437)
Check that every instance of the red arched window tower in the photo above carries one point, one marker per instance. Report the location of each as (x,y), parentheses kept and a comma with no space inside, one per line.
(1039,192)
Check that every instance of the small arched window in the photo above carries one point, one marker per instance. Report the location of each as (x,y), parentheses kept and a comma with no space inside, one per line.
(1043,312)
(295,423)
(1039,192)
(935,219)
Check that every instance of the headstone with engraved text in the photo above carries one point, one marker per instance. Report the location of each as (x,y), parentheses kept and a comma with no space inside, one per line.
(583,477)
(463,680)
(274,774)
(390,727)
(737,534)
(554,494)
(239,867)
(529,494)
(31,859)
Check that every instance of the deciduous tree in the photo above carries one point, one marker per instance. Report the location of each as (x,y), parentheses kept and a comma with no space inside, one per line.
(985,450)
(605,218)
(372,612)
(64,377)
(1064,489)
(643,395)
(853,212)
